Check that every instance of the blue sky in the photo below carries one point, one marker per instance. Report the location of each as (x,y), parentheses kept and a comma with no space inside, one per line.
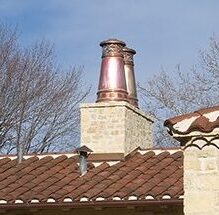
(164,33)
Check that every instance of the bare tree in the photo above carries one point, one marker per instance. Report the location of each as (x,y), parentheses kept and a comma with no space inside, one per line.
(38,100)
(168,95)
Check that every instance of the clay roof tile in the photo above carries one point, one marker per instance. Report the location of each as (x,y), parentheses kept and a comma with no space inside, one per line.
(139,174)
(204,120)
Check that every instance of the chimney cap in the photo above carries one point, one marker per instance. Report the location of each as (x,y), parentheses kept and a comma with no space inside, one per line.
(128,54)
(83,149)
(112,41)
(126,49)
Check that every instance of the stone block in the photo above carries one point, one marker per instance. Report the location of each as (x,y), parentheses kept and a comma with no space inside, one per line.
(199,202)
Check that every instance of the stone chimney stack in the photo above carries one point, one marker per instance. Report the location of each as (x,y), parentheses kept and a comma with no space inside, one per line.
(198,134)
(114,124)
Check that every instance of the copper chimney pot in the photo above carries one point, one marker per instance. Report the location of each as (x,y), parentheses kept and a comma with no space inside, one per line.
(130,75)
(112,84)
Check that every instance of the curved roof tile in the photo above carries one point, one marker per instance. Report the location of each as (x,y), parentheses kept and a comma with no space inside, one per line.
(204,120)
(139,175)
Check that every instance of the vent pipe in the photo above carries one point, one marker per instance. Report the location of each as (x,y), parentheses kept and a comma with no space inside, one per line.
(19,153)
(130,75)
(112,84)
(83,154)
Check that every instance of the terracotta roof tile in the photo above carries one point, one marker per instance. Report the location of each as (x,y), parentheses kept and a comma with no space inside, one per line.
(204,120)
(139,174)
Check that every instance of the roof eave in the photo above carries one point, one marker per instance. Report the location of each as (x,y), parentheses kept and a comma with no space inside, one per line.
(104,204)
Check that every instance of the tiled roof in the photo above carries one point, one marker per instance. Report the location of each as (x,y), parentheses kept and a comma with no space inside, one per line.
(142,175)
(203,120)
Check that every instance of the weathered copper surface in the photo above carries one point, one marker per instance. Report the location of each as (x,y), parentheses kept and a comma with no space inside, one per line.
(130,75)
(112,84)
